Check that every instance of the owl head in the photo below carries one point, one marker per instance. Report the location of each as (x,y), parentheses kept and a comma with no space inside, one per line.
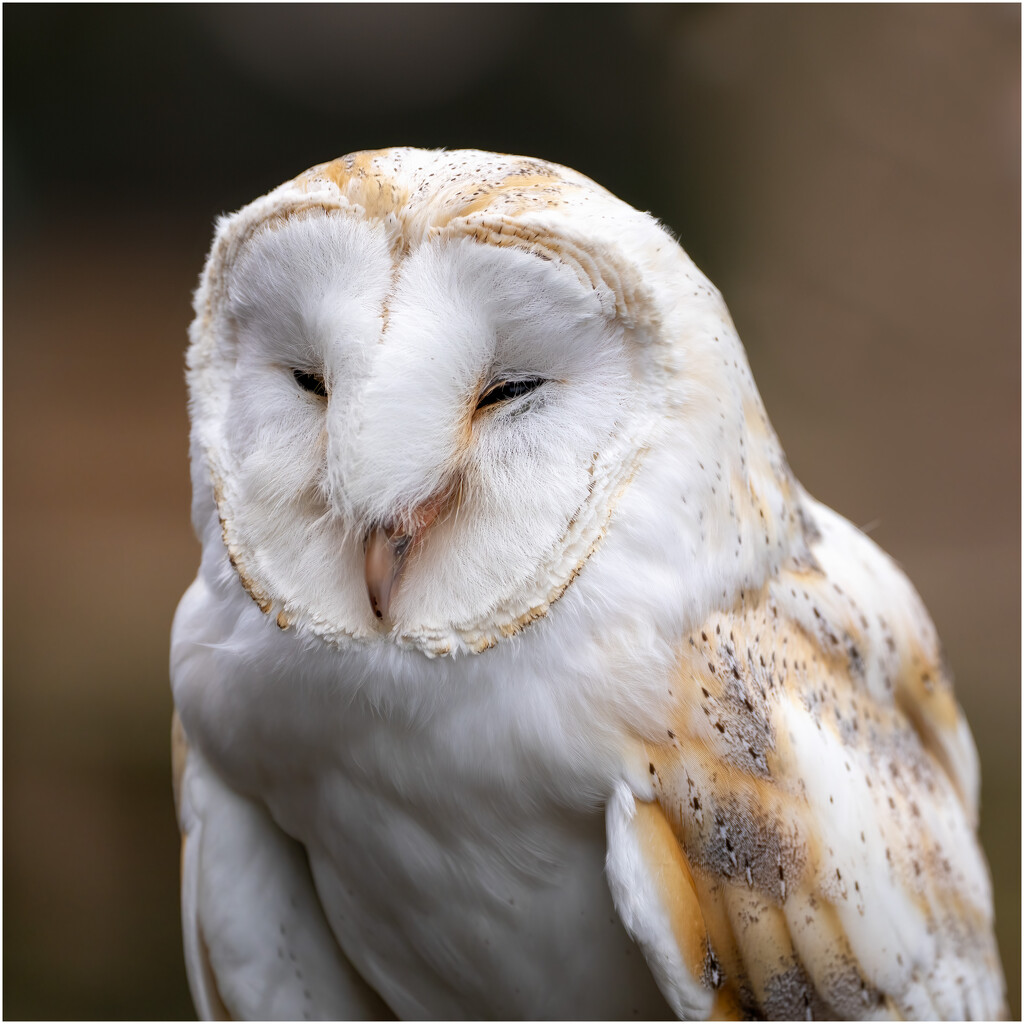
(421,384)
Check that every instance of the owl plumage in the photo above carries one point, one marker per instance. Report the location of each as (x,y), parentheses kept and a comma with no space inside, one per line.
(520,677)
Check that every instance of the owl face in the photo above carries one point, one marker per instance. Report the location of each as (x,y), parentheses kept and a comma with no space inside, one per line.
(410,440)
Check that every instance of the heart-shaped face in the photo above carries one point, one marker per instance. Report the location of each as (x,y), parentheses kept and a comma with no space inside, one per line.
(422,381)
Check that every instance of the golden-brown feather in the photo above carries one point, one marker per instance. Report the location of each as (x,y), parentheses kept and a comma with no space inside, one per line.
(805,777)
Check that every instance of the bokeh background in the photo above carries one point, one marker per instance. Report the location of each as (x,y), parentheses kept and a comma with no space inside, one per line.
(849,176)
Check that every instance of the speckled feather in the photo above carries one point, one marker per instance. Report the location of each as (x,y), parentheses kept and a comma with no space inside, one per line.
(638,693)
(830,833)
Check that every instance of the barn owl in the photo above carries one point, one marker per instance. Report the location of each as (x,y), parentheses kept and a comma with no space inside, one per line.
(521,678)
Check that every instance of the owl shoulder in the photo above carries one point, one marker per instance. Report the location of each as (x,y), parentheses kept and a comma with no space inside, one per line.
(821,784)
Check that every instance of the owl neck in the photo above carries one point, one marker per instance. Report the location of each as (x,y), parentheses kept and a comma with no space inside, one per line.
(716,497)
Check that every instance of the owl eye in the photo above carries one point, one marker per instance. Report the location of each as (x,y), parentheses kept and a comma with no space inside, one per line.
(504,390)
(312,382)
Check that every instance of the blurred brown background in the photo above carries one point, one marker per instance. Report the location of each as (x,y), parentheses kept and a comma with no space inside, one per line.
(849,176)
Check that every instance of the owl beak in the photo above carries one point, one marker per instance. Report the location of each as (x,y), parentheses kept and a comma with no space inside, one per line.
(386,549)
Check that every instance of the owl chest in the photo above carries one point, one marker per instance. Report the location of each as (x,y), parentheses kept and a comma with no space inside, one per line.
(458,855)
(455,887)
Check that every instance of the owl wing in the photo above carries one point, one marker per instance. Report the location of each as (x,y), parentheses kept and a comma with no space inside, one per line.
(257,944)
(809,848)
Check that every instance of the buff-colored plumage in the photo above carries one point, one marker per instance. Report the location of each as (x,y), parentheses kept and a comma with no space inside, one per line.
(520,677)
